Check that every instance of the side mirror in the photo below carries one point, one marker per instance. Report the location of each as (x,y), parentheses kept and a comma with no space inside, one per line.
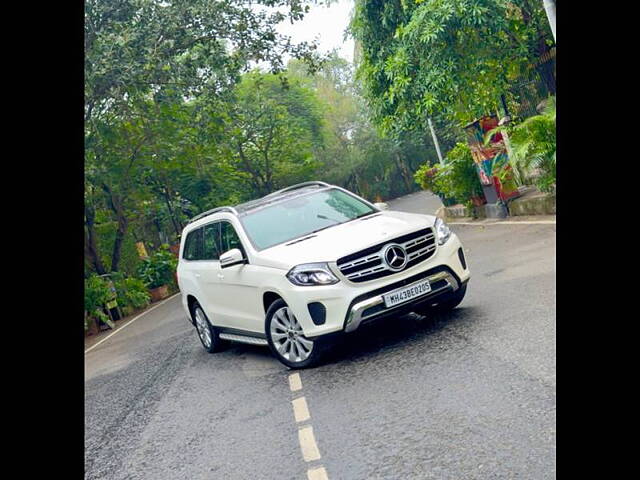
(381,206)
(232,257)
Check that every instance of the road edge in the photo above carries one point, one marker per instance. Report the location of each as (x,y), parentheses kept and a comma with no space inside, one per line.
(130,322)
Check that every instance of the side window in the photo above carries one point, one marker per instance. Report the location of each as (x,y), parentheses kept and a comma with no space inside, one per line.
(229,238)
(211,233)
(193,245)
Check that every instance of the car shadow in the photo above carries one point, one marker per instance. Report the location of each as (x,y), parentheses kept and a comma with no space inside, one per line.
(372,339)
(387,334)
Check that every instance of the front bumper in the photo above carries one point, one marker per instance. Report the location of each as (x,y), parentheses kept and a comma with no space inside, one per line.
(348,304)
(443,281)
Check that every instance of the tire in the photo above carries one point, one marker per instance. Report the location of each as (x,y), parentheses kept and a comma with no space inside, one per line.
(207,333)
(286,341)
(447,305)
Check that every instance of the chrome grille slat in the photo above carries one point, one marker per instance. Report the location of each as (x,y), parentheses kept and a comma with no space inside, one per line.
(421,252)
(360,261)
(362,273)
(424,243)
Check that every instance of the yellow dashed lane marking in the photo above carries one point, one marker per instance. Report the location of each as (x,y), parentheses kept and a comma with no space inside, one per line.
(317,474)
(295,383)
(300,410)
(308,445)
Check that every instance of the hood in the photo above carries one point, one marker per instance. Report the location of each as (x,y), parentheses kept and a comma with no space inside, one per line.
(335,242)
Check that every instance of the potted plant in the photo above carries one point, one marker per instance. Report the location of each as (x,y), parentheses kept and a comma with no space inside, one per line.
(156,272)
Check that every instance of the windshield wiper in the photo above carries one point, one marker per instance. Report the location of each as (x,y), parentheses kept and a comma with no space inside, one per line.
(301,239)
(324,217)
(366,214)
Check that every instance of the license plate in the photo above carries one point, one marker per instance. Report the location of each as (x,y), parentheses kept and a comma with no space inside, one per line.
(407,293)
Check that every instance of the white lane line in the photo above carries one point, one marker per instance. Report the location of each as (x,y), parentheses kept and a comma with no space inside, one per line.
(300,410)
(317,474)
(126,325)
(295,383)
(308,444)
(539,222)
(307,440)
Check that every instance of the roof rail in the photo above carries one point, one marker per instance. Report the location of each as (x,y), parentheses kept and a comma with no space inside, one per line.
(298,185)
(212,211)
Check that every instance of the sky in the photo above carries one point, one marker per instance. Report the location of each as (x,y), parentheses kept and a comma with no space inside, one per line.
(327,25)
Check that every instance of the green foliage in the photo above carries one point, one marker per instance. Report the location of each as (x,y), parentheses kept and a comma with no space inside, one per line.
(130,259)
(96,295)
(457,179)
(144,48)
(425,176)
(534,146)
(132,292)
(443,57)
(273,131)
(158,269)
(158,79)
(354,154)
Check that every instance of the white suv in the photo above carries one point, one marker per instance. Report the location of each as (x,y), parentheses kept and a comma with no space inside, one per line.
(299,266)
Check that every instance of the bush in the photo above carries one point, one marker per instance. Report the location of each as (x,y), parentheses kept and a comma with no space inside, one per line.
(132,293)
(456,180)
(425,175)
(158,269)
(96,294)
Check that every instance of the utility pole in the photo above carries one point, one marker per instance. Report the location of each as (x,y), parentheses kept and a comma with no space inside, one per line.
(435,141)
(550,8)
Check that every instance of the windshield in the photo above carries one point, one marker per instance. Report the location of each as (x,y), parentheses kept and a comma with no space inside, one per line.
(301,216)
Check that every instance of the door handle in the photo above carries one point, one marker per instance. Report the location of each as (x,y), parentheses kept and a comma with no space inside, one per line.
(220,276)
(197,275)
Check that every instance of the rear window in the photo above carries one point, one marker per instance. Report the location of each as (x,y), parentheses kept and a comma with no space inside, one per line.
(193,245)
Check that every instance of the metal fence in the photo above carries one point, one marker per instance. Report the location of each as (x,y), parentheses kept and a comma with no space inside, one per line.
(535,86)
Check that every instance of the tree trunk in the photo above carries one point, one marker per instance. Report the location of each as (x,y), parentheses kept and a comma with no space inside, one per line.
(404,172)
(91,248)
(123,224)
(167,200)
(115,203)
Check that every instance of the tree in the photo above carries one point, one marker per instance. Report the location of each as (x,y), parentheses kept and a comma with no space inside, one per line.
(355,155)
(147,59)
(450,58)
(272,132)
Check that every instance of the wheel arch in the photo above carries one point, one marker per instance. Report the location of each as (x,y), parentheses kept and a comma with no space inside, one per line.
(191,301)
(268,298)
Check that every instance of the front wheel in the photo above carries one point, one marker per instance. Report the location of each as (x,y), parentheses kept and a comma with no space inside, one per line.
(286,339)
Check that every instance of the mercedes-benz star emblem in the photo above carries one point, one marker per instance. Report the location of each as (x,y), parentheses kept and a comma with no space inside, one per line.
(395,256)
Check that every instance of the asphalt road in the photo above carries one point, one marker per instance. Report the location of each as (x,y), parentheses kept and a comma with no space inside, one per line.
(470,395)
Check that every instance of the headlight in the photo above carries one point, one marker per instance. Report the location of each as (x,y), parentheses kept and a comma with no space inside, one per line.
(442,231)
(311,274)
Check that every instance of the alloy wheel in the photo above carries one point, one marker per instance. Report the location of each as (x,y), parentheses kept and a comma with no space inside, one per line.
(287,337)
(202,325)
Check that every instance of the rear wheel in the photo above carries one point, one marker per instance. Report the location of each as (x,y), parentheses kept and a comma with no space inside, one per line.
(207,333)
(286,339)
(447,305)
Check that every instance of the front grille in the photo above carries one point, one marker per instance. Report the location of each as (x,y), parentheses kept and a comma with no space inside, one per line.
(368,264)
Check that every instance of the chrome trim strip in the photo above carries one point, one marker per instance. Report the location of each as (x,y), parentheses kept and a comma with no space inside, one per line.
(297,186)
(243,339)
(355,314)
